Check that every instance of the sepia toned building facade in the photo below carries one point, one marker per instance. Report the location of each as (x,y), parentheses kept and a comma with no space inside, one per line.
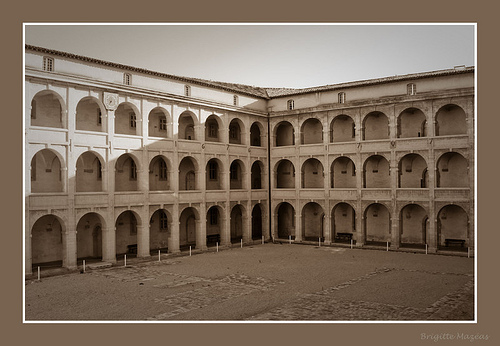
(125,160)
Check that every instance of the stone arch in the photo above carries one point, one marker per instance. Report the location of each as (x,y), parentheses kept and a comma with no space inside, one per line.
(285,174)
(89,167)
(411,122)
(311,131)
(188,169)
(343,221)
(284,134)
(285,220)
(376,172)
(377,222)
(312,174)
(126,226)
(127,119)
(237,174)
(47,109)
(257,172)
(126,177)
(375,126)
(47,171)
(47,241)
(412,172)
(89,115)
(452,223)
(313,219)
(160,225)
(159,121)
(342,129)
(213,126)
(343,173)
(186,126)
(214,174)
(159,173)
(89,237)
(236,132)
(413,225)
(256,134)
(452,170)
(450,120)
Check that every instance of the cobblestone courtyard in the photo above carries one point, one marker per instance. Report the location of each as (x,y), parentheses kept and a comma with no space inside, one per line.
(263,282)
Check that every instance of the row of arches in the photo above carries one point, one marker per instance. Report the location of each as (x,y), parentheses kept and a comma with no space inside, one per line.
(47,110)
(452,223)
(48,234)
(412,122)
(46,173)
(451,171)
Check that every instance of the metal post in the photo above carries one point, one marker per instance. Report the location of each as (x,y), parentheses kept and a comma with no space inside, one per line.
(125,260)
(351,243)
(241,243)
(159,258)
(262,239)
(426,249)
(319,241)
(387,246)
(38,273)
(217,246)
(189,250)
(289,239)
(84,266)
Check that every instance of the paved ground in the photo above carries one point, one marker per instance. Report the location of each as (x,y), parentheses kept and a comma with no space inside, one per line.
(264,282)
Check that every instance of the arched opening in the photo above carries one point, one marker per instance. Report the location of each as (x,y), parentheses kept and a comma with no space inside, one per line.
(235,132)
(46,110)
(158,123)
(126,173)
(256,222)
(312,174)
(411,123)
(212,127)
(452,228)
(312,131)
(159,230)
(213,175)
(186,126)
(452,171)
(89,237)
(47,242)
(188,222)
(342,129)
(412,172)
(88,173)
(375,126)
(187,174)
(343,222)
(256,175)
(376,172)
(285,175)
(285,134)
(255,135)
(126,120)
(286,221)
(413,225)
(46,172)
(214,225)
(343,173)
(236,172)
(89,115)
(159,174)
(313,222)
(451,120)
(236,224)
(126,233)
(377,224)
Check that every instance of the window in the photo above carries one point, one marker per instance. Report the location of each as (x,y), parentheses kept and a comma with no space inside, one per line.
(99,170)
(133,120)
(290,105)
(133,170)
(187,90)
(48,64)
(411,89)
(163,221)
(99,117)
(163,170)
(163,123)
(235,100)
(133,227)
(233,132)
(233,174)
(213,216)
(127,78)
(212,131)
(212,170)
(342,97)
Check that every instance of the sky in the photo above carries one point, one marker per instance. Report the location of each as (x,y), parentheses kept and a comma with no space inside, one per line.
(267,55)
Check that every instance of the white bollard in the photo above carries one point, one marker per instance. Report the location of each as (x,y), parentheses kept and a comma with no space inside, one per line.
(38,273)
(241,243)
(290,239)
(319,241)
(387,246)
(468,252)
(125,261)
(84,266)
(189,250)
(426,249)
(262,239)
(351,243)
(217,246)
(159,258)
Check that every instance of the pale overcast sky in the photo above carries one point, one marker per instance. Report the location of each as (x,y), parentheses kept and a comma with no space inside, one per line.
(294,56)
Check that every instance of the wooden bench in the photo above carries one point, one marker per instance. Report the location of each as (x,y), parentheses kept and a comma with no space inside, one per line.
(213,238)
(343,236)
(132,248)
(449,242)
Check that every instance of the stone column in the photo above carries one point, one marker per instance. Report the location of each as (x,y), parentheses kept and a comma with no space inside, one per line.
(143,234)
(201,228)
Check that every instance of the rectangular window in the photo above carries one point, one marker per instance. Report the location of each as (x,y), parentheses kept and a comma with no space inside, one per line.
(127,78)
(133,120)
(99,170)
(290,104)
(163,124)
(213,216)
(234,173)
(411,89)
(163,222)
(133,171)
(99,117)
(48,64)
(187,90)
(212,131)
(163,170)
(235,100)
(212,171)
(342,97)
(233,133)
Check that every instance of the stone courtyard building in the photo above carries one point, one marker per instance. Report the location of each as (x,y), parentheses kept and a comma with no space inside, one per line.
(123,160)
